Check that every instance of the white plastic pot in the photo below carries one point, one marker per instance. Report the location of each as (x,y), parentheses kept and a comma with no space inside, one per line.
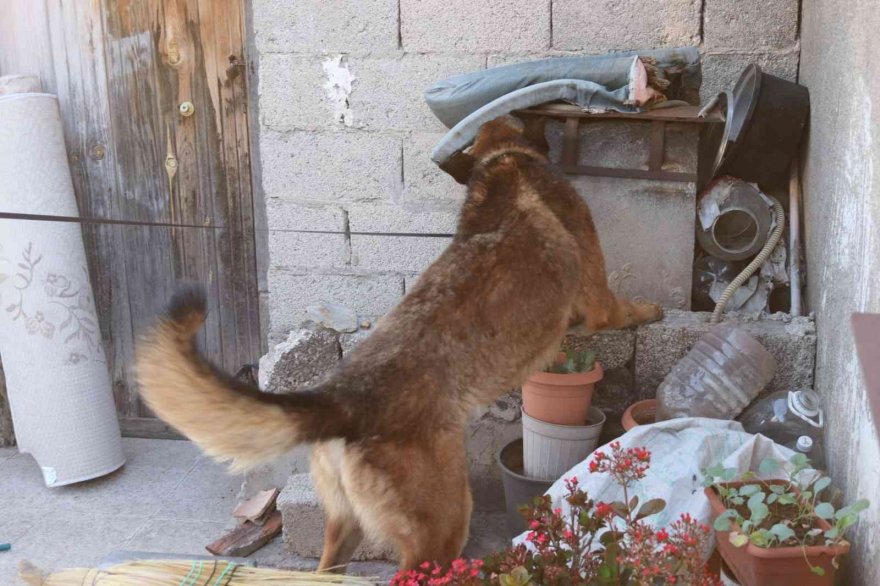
(551,450)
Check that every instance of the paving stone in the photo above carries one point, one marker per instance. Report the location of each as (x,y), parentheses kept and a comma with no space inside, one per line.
(302,360)
(348,342)
(791,341)
(304,522)
(325,25)
(459,25)
(330,167)
(334,316)
(610,25)
(750,24)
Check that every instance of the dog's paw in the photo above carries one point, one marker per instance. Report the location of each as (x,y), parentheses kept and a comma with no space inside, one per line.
(649,312)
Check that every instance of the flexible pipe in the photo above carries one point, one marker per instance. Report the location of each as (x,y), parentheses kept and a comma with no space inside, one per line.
(756,263)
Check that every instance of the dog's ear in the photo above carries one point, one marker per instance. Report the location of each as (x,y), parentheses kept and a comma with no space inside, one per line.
(534,133)
(459,166)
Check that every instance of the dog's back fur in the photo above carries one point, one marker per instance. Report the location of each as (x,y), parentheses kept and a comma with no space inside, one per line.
(388,423)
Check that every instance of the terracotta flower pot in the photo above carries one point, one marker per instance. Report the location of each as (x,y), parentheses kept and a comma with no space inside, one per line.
(563,399)
(774,566)
(639,413)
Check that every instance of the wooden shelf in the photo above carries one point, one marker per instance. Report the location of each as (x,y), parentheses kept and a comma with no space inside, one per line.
(574,116)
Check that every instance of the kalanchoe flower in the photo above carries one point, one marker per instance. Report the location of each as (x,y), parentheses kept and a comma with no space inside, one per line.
(566,550)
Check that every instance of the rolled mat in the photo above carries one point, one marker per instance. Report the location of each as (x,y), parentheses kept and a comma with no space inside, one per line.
(56,370)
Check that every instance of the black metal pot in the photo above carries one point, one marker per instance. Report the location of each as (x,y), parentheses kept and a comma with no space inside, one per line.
(765,119)
(518,489)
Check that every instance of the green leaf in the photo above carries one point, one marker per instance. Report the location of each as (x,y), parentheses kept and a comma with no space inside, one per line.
(768,466)
(800,461)
(651,507)
(821,484)
(860,505)
(756,498)
(819,571)
(832,533)
(759,512)
(714,471)
(846,521)
(728,474)
(749,489)
(633,503)
(722,524)
(787,499)
(777,489)
(772,498)
(824,511)
(737,539)
(782,532)
(761,538)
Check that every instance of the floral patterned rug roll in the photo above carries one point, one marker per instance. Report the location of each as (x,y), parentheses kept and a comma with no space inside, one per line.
(50,343)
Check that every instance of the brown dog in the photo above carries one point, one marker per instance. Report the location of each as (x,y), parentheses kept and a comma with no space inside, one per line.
(388,424)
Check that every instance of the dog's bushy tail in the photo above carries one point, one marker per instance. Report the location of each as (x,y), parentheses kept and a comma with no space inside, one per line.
(230,420)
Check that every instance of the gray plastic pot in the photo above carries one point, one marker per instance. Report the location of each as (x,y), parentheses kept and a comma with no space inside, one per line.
(551,450)
(518,489)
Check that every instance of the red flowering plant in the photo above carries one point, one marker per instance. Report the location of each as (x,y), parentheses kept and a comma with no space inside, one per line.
(592,544)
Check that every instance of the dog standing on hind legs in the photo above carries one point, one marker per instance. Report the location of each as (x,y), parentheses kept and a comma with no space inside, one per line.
(387,425)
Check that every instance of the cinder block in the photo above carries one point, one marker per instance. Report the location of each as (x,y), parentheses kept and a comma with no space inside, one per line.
(485,438)
(644,264)
(292,93)
(303,359)
(388,93)
(325,25)
(410,254)
(291,292)
(297,250)
(750,24)
(383,217)
(287,215)
(791,341)
(423,181)
(721,70)
(330,167)
(614,348)
(461,25)
(303,523)
(610,25)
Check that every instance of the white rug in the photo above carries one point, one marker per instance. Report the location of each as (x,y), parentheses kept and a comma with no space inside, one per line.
(56,370)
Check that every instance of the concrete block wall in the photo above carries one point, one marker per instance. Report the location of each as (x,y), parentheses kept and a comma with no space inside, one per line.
(344,133)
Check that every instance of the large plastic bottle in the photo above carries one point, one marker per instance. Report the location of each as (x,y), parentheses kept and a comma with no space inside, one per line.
(724,371)
(791,418)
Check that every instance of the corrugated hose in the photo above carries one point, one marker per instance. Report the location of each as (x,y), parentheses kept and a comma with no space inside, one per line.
(756,263)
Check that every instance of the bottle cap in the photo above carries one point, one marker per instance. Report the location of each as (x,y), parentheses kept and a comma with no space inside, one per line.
(804,443)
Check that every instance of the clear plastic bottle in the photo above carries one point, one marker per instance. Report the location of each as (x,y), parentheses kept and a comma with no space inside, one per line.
(791,418)
(724,371)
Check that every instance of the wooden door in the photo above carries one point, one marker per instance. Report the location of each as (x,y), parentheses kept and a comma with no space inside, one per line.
(122,69)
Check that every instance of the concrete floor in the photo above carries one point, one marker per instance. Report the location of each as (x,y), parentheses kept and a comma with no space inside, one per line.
(168,498)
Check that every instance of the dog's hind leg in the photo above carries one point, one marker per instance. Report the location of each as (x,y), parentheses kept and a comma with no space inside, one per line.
(413,495)
(342,532)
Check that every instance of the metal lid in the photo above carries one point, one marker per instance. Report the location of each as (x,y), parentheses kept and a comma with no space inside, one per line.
(804,443)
